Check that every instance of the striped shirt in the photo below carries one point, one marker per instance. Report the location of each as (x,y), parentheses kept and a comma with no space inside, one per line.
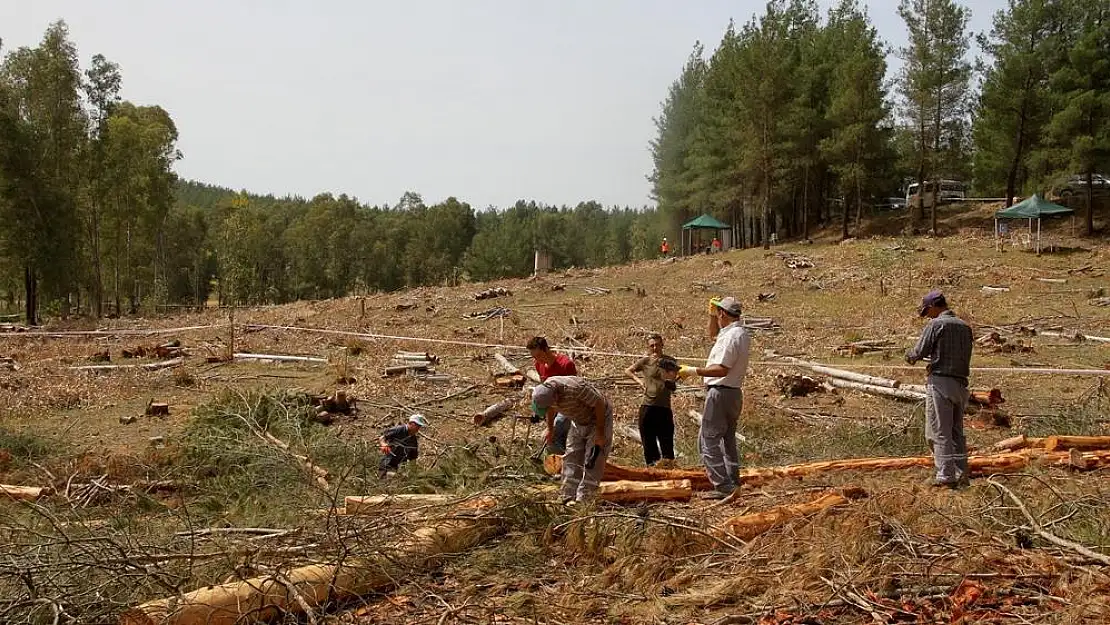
(576,398)
(946,342)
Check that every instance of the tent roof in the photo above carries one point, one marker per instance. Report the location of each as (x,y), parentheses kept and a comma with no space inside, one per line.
(1033,207)
(705,222)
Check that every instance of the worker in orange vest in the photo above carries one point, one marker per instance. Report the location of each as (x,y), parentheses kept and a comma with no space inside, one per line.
(665,248)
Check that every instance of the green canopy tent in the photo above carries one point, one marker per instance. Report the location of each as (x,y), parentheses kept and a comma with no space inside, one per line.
(1033,207)
(704,222)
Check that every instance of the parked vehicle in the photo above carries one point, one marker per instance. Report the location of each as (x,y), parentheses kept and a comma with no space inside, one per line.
(949,191)
(1077,186)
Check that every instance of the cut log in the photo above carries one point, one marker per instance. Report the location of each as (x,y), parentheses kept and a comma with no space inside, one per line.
(156,409)
(990,398)
(1076,336)
(553,465)
(496,411)
(269,597)
(25,493)
(406,368)
(852,376)
(626,491)
(1082,443)
(896,393)
(1015,443)
(150,366)
(1052,280)
(748,526)
(506,366)
(280,358)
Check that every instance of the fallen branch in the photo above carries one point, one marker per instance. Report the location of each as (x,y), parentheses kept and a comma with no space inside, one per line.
(748,526)
(1045,534)
(25,493)
(319,474)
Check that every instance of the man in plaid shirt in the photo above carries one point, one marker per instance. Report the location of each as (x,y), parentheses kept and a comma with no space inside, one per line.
(591,431)
(946,344)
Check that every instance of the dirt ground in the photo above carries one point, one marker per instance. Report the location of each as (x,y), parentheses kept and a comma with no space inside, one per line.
(857,290)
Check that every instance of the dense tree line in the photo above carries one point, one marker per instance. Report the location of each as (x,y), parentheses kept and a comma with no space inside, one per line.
(790,120)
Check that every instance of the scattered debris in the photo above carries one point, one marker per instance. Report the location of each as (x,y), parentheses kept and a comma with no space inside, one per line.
(795,261)
(558,287)
(795,385)
(411,362)
(492,313)
(998,344)
(7,363)
(988,290)
(859,348)
(758,323)
(765,297)
(1101,301)
(405,306)
(128,419)
(150,366)
(101,356)
(596,290)
(155,409)
(274,358)
(492,293)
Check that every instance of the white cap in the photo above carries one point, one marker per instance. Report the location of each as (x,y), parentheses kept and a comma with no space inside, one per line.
(419,419)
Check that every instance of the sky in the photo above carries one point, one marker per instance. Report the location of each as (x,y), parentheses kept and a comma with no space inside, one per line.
(489,101)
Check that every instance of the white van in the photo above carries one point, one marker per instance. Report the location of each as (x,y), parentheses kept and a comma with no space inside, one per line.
(950,190)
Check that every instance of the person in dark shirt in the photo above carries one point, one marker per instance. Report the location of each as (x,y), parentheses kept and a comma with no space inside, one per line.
(656,419)
(946,343)
(400,444)
(549,364)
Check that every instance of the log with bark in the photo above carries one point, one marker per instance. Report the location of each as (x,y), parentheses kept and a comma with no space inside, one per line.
(496,411)
(626,491)
(270,597)
(852,376)
(553,465)
(25,493)
(748,526)
(1015,443)
(150,366)
(896,393)
(319,474)
(280,358)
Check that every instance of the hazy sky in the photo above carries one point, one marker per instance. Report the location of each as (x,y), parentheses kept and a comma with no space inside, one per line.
(487,100)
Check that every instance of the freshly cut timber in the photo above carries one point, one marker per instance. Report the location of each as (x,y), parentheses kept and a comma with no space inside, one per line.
(362,505)
(1015,443)
(871,389)
(1063,443)
(25,493)
(269,597)
(748,526)
(496,411)
(624,491)
(553,465)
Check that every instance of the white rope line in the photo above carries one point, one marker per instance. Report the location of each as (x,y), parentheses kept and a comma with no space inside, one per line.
(94,333)
(595,352)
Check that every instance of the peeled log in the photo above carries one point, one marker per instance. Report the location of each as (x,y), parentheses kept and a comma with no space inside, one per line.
(553,465)
(1015,443)
(506,366)
(1082,443)
(871,389)
(748,526)
(25,493)
(626,491)
(266,598)
(496,411)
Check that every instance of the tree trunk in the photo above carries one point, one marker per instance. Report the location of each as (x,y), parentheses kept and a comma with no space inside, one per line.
(31,296)
(859,206)
(844,219)
(748,526)
(805,203)
(1019,148)
(1090,204)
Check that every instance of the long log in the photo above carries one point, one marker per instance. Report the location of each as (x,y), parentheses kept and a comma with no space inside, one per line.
(748,526)
(319,474)
(1014,443)
(1082,443)
(553,465)
(25,493)
(268,597)
(496,411)
(852,376)
(150,366)
(896,393)
(625,491)
(280,358)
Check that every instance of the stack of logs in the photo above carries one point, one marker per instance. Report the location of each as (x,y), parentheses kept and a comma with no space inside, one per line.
(411,362)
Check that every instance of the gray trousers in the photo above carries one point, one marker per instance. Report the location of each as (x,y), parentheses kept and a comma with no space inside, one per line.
(717,436)
(560,428)
(578,483)
(945,402)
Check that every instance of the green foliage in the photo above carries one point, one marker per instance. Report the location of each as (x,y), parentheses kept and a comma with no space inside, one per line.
(26,446)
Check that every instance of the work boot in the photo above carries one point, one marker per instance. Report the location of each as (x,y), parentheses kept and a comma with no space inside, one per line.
(935,483)
(666,463)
